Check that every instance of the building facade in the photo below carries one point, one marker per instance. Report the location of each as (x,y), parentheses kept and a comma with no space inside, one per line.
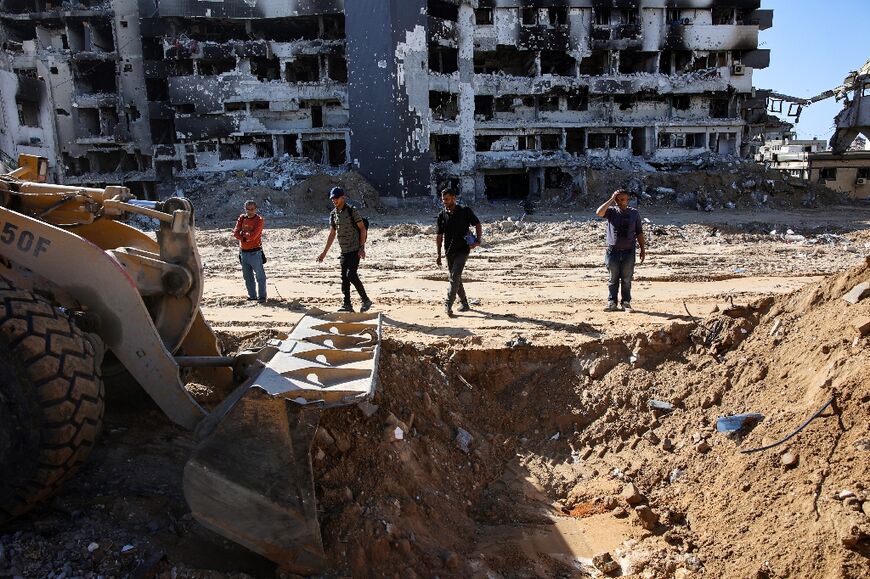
(500,98)
(790,155)
(848,172)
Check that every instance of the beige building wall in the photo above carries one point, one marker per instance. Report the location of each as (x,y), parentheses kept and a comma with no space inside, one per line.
(848,173)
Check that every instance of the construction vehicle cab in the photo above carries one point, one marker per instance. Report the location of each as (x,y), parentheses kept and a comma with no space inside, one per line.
(82,294)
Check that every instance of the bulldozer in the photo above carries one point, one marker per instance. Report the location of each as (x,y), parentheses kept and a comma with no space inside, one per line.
(84,295)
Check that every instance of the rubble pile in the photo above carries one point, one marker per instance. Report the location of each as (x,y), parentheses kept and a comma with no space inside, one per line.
(710,183)
(281,187)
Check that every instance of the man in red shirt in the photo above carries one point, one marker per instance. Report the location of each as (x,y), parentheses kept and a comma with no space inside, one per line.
(249,232)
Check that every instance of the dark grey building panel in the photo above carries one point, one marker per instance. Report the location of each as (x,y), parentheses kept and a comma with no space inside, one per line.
(381,121)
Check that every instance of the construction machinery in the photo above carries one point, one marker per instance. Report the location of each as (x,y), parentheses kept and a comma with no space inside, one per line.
(83,294)
(851,121)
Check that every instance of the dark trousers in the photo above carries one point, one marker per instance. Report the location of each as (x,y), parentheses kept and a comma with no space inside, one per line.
(620,266)
(455,265)
(349,265)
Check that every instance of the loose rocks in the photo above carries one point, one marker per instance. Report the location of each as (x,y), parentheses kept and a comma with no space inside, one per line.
(648,519)
(631,494)
(789,459)
(604,562)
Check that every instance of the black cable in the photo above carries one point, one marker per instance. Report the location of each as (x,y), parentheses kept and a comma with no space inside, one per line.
(794,432)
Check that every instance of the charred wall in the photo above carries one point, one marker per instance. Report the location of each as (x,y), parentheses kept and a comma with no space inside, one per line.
(417,94)
(526,93)
(384,38)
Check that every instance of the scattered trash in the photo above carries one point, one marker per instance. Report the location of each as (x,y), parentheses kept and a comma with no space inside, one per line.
(517,342)
(737,422)
(463,439)
(398,433)
(795,431)
(660,405)
(128,549)
(93,547)
(739,270)
(676,475)
(776,325)
(555,436)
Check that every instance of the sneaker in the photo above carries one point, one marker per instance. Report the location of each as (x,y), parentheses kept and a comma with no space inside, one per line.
(448,309)
(262,300)
(464,307)
(366,305)
(251,298)
(627,307)
(611,307)
(345,307)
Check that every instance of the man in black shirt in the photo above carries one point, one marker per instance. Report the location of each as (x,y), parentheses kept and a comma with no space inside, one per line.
(453,226)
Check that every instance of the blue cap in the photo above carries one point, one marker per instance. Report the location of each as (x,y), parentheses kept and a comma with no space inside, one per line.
(336,192)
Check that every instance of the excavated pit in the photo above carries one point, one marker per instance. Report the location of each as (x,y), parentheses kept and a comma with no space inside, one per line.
(515,462)
(529,461)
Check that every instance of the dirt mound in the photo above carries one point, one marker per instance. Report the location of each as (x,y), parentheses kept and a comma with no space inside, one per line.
(529,461)
(279,190)
(464,446)
(723,186)
(312,194)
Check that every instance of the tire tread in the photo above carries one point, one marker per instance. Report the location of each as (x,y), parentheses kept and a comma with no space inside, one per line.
(60,364)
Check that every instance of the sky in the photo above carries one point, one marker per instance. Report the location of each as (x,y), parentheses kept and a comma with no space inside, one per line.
(813,46)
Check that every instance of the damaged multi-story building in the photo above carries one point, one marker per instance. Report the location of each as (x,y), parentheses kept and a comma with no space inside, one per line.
(501,98)
(142,90)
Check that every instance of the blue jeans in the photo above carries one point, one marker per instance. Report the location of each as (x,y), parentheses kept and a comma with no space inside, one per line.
(620,265)
(252,266)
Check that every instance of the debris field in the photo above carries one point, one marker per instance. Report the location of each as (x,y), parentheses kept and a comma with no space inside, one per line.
(536,435)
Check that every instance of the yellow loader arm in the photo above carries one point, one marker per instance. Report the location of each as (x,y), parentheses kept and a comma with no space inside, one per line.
(111,286)
(250,477)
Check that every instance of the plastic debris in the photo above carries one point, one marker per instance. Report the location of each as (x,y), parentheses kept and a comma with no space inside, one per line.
(776,324)
(661,405)
(517,342)
(737,422)
(463,439)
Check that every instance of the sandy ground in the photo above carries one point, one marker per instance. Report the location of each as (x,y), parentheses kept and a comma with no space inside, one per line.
(542,279)
(558,430)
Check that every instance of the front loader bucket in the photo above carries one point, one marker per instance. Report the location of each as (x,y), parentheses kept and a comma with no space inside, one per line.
(250,479)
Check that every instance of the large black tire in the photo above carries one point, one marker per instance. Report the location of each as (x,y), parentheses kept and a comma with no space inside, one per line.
(51,400)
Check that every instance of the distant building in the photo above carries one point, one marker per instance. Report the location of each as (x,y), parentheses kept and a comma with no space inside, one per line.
(499,97)
(848,173)
(790,155)
(809,160)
